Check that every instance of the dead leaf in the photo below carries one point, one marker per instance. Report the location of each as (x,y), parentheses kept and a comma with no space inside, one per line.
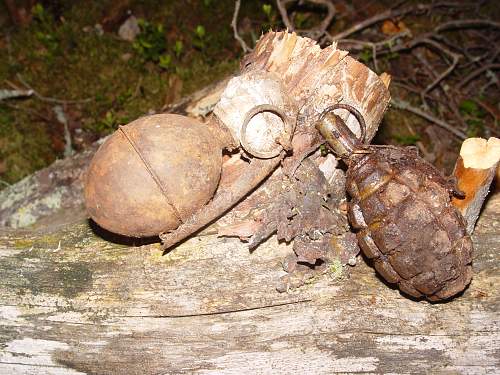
(391,28)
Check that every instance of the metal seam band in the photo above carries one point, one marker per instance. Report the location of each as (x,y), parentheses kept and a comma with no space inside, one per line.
(152,173)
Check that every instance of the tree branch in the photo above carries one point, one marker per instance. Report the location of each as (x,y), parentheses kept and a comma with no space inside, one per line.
(234,25)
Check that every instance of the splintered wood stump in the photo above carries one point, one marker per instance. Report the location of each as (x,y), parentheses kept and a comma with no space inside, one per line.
(73,303)
(315,78)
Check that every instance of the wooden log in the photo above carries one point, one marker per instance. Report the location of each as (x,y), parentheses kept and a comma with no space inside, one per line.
(72,302)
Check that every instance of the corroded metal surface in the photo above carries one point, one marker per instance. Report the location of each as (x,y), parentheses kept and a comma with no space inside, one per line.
(152,174)
(407,224)
(401,207)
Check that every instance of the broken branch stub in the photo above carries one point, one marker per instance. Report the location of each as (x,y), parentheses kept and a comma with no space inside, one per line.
(475,169)
(318,78)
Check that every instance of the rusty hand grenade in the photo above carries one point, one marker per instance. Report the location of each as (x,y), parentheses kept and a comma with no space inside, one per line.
(402,211)
(152,174)
(158,171)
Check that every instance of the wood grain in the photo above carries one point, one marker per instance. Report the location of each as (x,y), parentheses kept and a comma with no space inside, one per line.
(72,302)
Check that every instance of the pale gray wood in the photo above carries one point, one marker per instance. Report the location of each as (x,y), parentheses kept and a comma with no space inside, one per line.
(72,302)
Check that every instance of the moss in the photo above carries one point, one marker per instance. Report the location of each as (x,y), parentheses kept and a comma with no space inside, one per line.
(65,279)
(37,243)
(336,270)
(62,55)
(23,243)
(23,145)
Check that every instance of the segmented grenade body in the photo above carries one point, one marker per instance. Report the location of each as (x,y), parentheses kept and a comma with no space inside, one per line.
(406,223)
(401,208)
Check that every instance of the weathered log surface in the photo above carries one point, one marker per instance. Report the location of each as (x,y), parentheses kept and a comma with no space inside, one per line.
(72,302)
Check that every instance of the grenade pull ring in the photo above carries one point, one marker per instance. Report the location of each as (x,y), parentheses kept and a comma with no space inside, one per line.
(283,142)
(339,136)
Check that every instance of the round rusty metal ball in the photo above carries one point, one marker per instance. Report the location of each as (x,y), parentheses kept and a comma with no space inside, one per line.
(152,174)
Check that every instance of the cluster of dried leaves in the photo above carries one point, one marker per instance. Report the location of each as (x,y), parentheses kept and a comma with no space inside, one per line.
(305,205)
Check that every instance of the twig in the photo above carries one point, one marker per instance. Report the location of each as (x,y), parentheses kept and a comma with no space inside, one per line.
(48,99)
(493,80)
(450,102)
(464,24)
(234,25)
(8,41)
(362,25)
(328,19)
(454,63)
(316,32)
(284,15)
(10,94)
(475,73)
(61,117)
(425,39)
(29,110)
(386,43)
(495,114)
(400,104)
(391,13)
(429,72)
(319,31)
(137,89)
